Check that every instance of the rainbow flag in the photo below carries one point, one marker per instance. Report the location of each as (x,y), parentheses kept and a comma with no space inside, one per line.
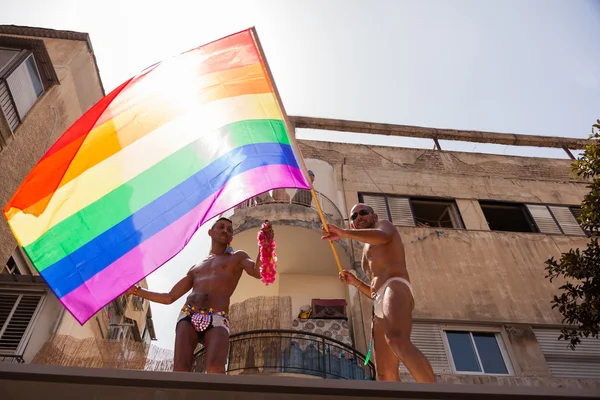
(124,189)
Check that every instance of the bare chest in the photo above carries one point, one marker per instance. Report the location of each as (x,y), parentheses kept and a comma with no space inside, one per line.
(370,252)
(216,266)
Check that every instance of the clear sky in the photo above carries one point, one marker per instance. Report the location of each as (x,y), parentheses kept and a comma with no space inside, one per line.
(505,66)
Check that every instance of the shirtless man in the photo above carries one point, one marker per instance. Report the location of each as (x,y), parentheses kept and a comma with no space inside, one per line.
(384,263)
(204,317)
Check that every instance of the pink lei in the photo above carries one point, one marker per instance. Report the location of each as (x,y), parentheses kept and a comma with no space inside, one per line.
(268,258)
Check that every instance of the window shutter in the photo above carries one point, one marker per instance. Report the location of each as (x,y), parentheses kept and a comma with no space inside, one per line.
(401,211)
(25,86)
(7,106)
(377,203)
(566,220)
(582,363)
(577,211)
(16,313)
(428,339)
(543,219)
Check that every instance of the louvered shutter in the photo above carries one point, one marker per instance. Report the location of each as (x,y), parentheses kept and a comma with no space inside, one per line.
(428,339)
(9,109)
(377,203)
(543,219)
(582,363)
(401,211)
(566,220)
(25,86)
(16,313)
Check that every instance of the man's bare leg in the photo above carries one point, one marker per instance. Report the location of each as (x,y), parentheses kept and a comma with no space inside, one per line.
(216,341)
(186,340)
(397,313)
(386,362)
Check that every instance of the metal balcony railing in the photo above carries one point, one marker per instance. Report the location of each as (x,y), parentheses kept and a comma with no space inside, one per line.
(14,358)
(293,352)
(301,198)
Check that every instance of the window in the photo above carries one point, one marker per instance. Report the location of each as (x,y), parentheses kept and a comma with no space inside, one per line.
(581,363)
(16,264)
(476,352)
(566,219)
(436,213)
(20,84)
(542,218)
(11,267)
(17,314)
(576,211)
(507,217)
(405,211)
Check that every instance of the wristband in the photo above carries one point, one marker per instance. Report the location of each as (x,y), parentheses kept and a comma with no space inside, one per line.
(135,289)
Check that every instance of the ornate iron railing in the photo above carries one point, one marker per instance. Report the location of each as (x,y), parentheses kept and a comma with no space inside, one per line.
(289,351)
(302,198)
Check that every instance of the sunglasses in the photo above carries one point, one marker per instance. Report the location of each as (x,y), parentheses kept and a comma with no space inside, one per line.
(362,213)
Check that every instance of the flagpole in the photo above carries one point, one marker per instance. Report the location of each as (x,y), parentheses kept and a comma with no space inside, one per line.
(295,146)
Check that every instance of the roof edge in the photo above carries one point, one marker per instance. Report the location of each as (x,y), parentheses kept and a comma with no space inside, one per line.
(374,128)
(21,30)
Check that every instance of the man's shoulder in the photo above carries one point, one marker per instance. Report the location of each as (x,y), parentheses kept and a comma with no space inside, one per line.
(384,223)
(240,254)
(390,228)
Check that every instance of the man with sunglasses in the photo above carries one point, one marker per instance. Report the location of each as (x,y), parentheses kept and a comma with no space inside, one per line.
(384,263)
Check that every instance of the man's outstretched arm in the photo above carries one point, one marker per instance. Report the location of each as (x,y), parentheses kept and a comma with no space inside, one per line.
(180,288)
(251,267)
(381,234)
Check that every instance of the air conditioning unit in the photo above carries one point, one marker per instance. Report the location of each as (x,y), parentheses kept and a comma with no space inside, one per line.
(329,309)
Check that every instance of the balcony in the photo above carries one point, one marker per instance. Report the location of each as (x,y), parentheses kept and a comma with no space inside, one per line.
(299,203)
(298,232)
(292,353)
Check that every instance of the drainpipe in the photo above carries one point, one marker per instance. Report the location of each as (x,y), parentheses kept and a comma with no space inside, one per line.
(352,251)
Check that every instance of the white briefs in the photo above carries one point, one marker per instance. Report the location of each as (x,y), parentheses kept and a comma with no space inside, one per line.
(378,296)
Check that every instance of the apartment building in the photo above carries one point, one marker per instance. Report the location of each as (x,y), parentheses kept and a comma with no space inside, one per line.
(477,229)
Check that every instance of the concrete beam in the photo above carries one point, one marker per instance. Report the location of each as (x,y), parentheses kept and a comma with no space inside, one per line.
(434,133)
(29,381)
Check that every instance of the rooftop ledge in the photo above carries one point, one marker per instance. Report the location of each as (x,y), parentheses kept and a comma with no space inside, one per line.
(28,381)
(512,139)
